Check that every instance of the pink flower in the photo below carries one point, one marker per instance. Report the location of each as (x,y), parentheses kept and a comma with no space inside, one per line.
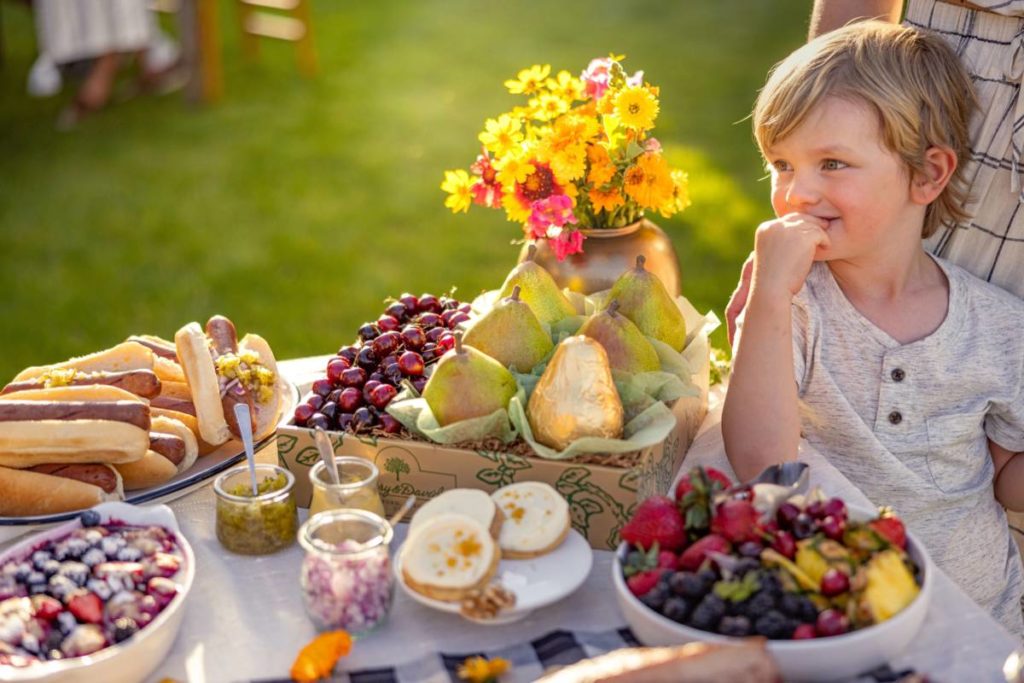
(652,145)
(596,77)
(487,191)
(552,212)
(567,243)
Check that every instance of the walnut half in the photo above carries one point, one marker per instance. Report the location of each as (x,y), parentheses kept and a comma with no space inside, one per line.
(486,603)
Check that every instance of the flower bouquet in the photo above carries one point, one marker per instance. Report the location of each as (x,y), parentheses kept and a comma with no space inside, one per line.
(578,155)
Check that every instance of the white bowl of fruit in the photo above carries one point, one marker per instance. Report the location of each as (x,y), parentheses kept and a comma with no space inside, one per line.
(98,598)
(837,591)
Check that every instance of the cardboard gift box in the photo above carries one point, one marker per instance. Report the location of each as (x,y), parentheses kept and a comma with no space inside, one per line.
(601,496)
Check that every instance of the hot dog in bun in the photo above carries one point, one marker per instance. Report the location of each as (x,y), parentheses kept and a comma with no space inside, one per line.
(222,371)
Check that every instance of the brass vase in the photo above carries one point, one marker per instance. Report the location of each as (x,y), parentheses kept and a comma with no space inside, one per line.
(607,253)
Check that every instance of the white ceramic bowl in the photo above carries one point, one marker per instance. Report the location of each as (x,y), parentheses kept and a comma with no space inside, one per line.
(137,657)
(820,659)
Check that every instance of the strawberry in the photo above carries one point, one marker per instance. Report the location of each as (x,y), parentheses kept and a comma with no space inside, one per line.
(694,495)
(736,520)
(656,520)
(685,484)
(87,608)
(640,584)
(695,555)
(667,559)
(45,607)
(891,529)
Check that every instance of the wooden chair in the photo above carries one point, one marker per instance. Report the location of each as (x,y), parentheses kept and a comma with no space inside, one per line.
(282,20)
(200,46)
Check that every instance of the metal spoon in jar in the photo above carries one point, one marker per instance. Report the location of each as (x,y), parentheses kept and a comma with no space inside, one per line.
(244,420)
(323,444)
(406,506)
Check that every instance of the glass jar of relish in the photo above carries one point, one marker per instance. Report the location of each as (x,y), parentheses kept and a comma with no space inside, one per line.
(257,524)
(358,487)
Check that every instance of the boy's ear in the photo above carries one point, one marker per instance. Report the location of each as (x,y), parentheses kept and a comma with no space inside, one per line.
(927,185)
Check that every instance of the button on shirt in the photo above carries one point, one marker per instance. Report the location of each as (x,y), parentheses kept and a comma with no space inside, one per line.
(907,423)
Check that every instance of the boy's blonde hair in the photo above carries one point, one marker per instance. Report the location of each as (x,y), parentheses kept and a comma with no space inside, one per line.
(911,78)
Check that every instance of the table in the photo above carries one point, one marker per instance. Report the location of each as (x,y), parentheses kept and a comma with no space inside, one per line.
(245,619)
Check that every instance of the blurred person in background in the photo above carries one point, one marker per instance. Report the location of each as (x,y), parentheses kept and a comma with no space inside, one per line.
(102,37)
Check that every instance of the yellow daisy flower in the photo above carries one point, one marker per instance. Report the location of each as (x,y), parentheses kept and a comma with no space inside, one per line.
(480,670)
(680,194)
(513,169)
(649,181)
(515,211)
(547,106)
(637,108)
(501,135)
(601,167)
(569,163)
(607,200)
(458,185)
(529,81)
(566,86)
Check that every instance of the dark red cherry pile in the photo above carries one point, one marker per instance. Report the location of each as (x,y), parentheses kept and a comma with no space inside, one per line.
(364,377)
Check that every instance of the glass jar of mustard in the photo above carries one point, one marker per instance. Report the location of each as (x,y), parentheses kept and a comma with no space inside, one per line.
(358,487)
(256,524)
(346,576)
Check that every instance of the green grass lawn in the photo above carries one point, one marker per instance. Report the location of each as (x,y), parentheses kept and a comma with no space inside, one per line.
(295,207)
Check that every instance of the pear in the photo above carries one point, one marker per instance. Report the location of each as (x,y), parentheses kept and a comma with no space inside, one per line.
(538,289)
(627,348)
(644,300)
(466,384)
(575,396)
(510,334)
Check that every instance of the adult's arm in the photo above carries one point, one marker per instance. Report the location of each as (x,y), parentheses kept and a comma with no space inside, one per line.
(829,15)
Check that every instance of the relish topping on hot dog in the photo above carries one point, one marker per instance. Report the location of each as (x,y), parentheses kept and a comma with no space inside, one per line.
(244,368)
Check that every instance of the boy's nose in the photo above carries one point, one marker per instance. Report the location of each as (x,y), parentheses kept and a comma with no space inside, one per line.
(802,193)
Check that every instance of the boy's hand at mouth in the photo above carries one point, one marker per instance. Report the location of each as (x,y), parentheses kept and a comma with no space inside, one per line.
(784,251)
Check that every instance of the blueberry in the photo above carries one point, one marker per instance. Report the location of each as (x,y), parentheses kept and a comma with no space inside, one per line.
(61,585)
(110,545)
(774,625)
(808,611)
(71,549)
(100,588)
(66,622)
(76,571)
(49,567)
(21,572)
(655,597)
(40,556)
(708,613)
(757,605)
(750,549)
(124,628)
(53,641)
(687,585)
(36,588)
(770,583)
(30,643)
(93,557)
(708,578)
(676,609)
(35,577)
(747,564)
(791,605)
(736,627)
(129,554)
(90,518)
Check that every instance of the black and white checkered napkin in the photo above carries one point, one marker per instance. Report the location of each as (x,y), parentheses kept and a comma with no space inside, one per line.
(528,660)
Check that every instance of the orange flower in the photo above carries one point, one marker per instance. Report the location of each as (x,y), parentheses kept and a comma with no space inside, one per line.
(649,181)
(606,200)
(601,167)
(318,659)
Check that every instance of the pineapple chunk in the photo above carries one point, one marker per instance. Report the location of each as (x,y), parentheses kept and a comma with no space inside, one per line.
(891,586)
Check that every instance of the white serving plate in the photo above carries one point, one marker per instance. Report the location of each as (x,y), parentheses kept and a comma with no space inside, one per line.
(205,468)
(537,582)
(137,657)
(820,659)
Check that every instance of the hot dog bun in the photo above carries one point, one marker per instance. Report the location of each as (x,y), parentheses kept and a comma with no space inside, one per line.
(205,448)
(125,356)
(33,493)
(167,425)
(25,443)
(152,469)
(197,361)
(90,392)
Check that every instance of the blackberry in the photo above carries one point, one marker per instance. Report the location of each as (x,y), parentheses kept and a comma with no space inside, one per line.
(687,585)
(757,605)
(708,613)
(736,627)
(89,518)
(747,564)
(708,578)
(124,628)
(655,597)
(771,583)
(791,605)
(773,625)
(676,609)
(808,611)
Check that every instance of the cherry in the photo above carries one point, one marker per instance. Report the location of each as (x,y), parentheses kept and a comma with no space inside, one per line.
(322,387)
(784,544)
(445,343)
(411,363)
(367,359)
(303,412)
(363,419)
(315,401)
(466,308)
(388,323)
(410,302)
(393,373)
(833,527)
(428,320)
(413,337)
(377,376)
(386,344)
(318,421)
(786,514)
(349,353)
(803,526)
(435,333)
(382,394)
(428,302)
(419,383)
(368,331)
(389,424)
(447,316)
(834,582)
(456,319)
(330,409)
(397,311)
(344,420)
(429,352)
(368,387)
(803,632)
(447,303)
(836,508)
(353,377)
(831,622)
(351,398)
(334,368)
(816,509)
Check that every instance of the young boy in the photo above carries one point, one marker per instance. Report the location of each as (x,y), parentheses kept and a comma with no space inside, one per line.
(909,372)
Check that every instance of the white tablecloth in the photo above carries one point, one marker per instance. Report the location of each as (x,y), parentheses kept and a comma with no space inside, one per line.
(245,619)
